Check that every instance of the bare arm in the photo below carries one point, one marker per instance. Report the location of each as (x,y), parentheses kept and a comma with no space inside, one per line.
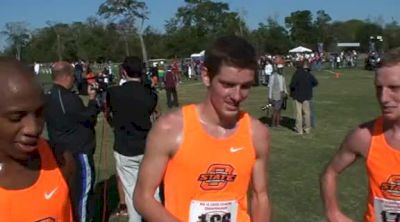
(355,144)
(260,203)
(162,142)
(67,166)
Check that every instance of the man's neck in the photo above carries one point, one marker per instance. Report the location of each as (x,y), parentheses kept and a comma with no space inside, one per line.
(60,83)
(208,115)
(7,163)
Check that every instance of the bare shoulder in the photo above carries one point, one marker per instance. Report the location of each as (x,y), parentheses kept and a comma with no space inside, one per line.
(170,121)
(359,139)
(166,132)
(260,136)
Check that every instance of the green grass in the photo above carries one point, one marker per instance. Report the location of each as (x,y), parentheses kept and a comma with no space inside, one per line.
(295,161)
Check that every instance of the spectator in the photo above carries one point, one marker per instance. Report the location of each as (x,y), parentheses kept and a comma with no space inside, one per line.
(170,88)
(277,93)
(70,126)
(36,68)
(301,90)
(280,63)
(78,70)
(90,76)
(128,112)
(268,69)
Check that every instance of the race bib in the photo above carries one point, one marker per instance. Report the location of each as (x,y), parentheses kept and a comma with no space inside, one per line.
(213,211)
(387,210)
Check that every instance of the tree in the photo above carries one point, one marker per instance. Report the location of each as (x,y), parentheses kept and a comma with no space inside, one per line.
(198,22)
(301,27)
(271,38)
(18,34)
(130,14)
(322,27)
(391,36)
(365,32)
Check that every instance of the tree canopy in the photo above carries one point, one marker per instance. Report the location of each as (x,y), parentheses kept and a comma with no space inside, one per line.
(119,31)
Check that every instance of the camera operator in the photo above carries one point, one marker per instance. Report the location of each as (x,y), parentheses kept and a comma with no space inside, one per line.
(128,111)
(71,126)
(101,86)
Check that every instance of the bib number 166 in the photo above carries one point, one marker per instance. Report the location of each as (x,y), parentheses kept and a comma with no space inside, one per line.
(217,217)
(390,216)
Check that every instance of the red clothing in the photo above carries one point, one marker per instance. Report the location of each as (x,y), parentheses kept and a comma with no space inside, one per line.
(170,80)
(90,78)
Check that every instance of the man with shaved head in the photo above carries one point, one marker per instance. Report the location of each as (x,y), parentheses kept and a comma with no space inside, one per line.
(30,174)
(70,126)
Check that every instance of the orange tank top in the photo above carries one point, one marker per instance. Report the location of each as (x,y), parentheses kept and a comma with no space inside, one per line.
(207,179)
(383,168)
(46,200)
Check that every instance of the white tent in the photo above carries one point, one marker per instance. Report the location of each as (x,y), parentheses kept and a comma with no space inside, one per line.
(300,49)
(196,55)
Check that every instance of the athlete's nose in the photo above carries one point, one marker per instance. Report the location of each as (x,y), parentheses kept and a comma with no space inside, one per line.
(33,125)
(237,94)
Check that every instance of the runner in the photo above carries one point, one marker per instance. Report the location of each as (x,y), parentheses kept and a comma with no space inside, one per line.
(378,142)
(207,153)
(32,185)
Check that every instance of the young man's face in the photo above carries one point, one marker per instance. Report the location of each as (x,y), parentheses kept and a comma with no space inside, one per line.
(387,83)
(21,117)
(229,88)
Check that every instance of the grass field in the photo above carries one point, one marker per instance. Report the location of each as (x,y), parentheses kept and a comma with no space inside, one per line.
(295,161)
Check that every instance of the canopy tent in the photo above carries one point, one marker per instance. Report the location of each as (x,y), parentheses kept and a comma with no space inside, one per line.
(197,55)
(300,49)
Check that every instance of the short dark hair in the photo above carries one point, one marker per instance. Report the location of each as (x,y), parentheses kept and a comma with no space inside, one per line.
(390,58)
(133,66)
(232,51)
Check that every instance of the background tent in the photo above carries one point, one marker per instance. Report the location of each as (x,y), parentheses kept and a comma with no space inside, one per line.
(300,49)
(196,56)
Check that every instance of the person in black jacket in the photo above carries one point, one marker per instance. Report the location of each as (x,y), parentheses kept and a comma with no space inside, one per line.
(301,90)
(71,126)
(128,111)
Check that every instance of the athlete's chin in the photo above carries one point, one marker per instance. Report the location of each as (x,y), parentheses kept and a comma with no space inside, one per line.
(390,116)
(232,110)
(22,156)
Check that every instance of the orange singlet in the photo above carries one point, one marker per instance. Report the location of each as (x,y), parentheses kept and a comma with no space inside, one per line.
(383,167)
(46,200)
(207,179)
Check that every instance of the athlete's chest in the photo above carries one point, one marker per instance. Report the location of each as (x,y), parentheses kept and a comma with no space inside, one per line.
(42,201)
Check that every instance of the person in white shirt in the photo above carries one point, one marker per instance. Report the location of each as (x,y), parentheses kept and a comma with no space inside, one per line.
(268,69)
(36,68)
(277,94)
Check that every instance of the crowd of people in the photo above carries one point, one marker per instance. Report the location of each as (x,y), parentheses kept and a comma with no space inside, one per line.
(204,157)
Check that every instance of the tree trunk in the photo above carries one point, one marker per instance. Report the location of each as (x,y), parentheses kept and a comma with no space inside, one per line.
(59,48)
(18,55)
(144,51)
(126,45)
(142,44)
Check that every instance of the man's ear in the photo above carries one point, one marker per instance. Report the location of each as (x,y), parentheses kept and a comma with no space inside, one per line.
(205,77)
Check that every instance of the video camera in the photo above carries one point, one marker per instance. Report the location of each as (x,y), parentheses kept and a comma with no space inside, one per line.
(100,85)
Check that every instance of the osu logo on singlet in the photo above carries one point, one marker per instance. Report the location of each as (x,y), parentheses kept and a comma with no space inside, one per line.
(391,188)
(217,177)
